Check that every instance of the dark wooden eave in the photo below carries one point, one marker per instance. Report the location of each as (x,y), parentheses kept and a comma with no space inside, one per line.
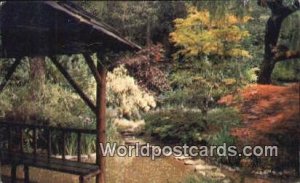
(49,28)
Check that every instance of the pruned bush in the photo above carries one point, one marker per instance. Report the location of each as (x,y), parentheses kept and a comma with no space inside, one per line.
(287,71)
(175,126)
(189,127)
(179,126)
(225,117)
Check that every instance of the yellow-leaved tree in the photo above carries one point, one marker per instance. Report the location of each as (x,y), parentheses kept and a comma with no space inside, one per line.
(202,34)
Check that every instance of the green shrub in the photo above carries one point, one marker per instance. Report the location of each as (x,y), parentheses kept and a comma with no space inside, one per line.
(189,126)
(221,137)
(201,83)
(225,117)
(286,71)
(112,134)
(175,126)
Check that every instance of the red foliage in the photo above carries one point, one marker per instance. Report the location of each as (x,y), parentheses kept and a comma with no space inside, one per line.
(144,66)
(267,109)
(271,116)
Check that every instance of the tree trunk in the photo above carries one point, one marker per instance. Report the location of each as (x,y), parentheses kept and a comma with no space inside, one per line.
(148,34)
(37,82)
(266,70)
(271,37)
(37,76)
(279,13)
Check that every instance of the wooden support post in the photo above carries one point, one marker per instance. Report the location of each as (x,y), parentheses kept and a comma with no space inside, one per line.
(78,146)
(26,174)
(9,73)
(297,167)
(9,140)
(76,87)
(13,173)
(34,141)
(49,144)
(21,140)
(101,123)
(81,179)
(63,145)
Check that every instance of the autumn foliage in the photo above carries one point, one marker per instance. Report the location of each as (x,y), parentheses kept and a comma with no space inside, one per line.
(202,34)
(270,117)
(144,66)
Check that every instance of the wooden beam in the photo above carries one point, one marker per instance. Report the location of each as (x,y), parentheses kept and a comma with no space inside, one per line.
(13,125)
(92,66)
(9,73)
(72,82)
(101,123)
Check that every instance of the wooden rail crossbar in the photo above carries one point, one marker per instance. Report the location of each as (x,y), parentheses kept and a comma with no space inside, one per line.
(14,151)
(73,130)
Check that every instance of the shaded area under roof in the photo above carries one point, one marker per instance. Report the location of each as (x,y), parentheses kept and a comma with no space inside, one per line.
(51,28)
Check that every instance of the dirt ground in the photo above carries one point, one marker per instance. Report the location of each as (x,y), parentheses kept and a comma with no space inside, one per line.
(119,170)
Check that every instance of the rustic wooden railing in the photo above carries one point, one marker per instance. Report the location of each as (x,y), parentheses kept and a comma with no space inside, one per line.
(12,135)
(21,127)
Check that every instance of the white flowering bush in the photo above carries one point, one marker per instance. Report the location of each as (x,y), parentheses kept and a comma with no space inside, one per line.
(124,95)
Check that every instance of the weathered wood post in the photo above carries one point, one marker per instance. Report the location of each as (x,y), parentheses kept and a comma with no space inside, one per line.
(101,123)
(297,167)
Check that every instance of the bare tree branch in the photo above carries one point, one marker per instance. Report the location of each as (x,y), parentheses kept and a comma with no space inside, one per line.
(286,55)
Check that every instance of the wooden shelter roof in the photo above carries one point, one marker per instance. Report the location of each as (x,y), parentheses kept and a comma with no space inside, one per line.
(45,28)
(49,28)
